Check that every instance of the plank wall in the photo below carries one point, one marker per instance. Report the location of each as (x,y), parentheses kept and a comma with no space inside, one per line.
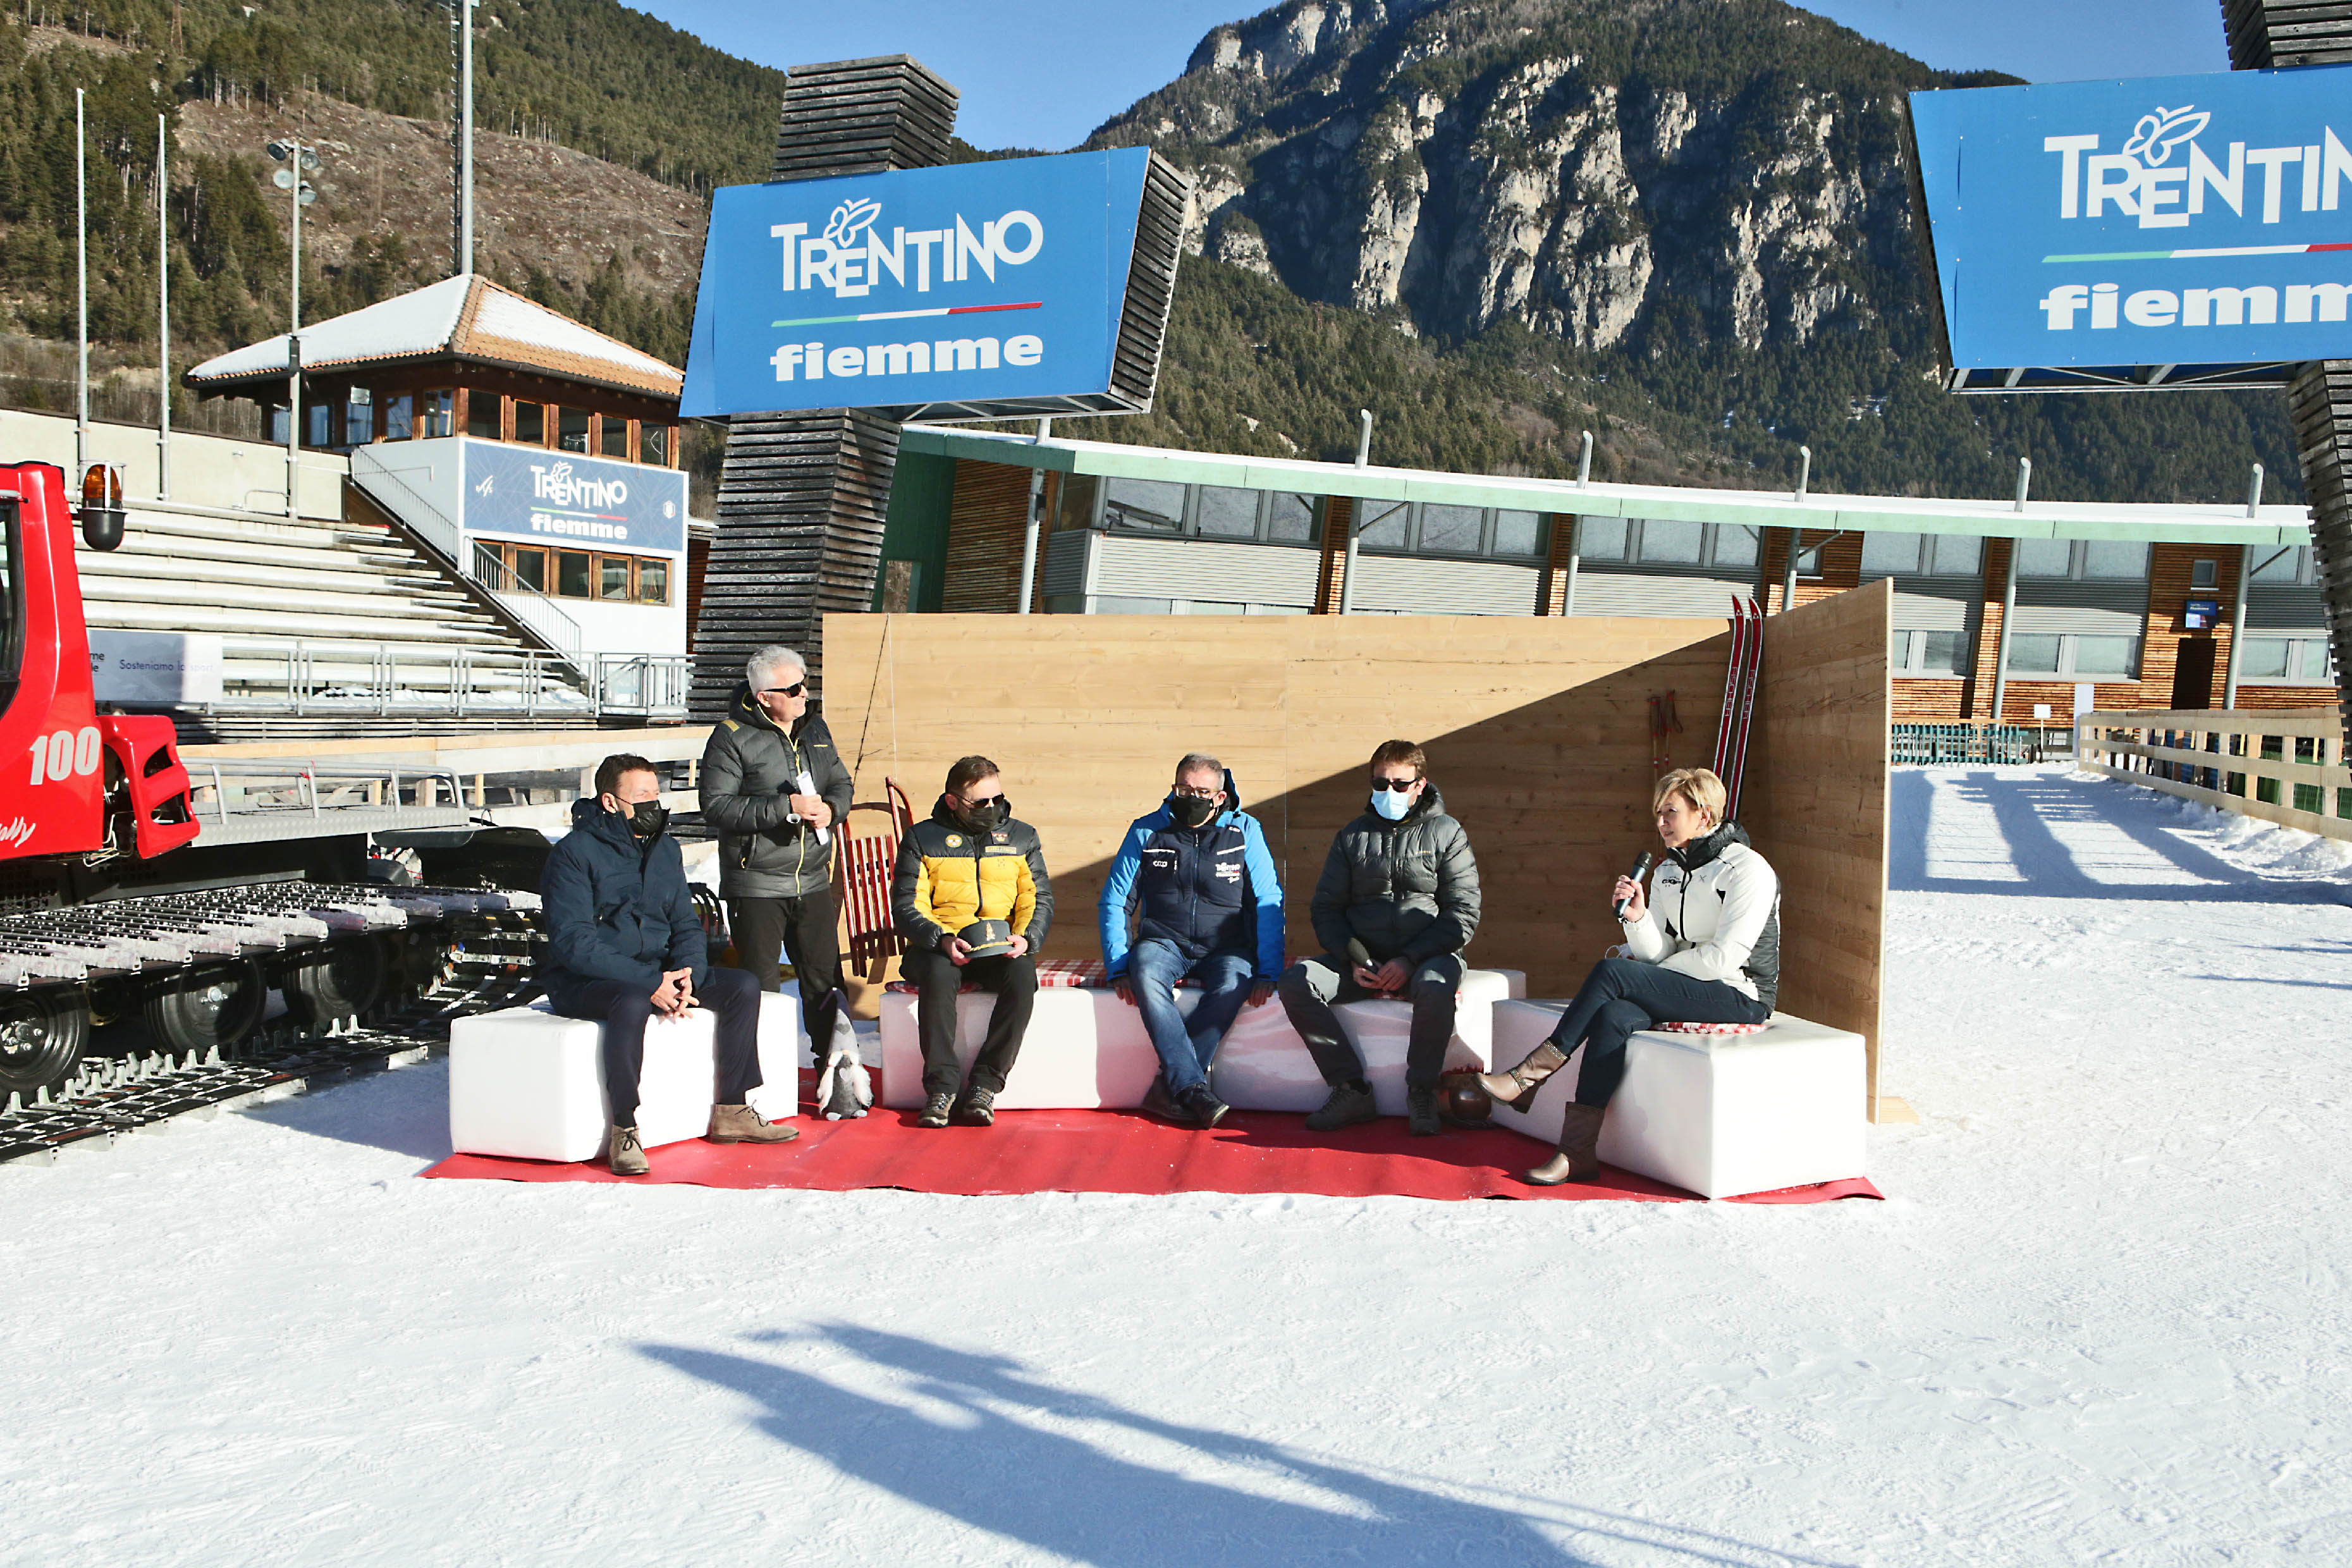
(1536,728)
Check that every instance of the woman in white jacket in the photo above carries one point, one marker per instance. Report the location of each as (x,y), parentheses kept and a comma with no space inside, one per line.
(1705,947)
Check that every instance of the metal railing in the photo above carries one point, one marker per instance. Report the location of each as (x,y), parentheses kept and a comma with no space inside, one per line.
(307,677)
(1921,745)
(528,604)
(2282,767)
(254,799)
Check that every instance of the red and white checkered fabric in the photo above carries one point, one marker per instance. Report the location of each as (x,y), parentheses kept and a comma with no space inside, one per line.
(1689,1028)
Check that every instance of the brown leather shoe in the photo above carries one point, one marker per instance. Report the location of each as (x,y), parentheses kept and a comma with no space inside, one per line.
(624,1154)
(741,1124)
(1579,1159)
(1517,1088)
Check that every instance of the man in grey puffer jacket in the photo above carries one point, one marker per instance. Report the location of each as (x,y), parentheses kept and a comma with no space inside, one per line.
(1396,904)
(772,783)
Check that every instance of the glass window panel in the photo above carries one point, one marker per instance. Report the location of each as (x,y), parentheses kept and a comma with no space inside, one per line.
(1146,504)
(653,445)
(617,436)
(398,410)
(438,408)
(572,429)
(1116,605)
(1600,538)
(1453,530)
(1294,519)
(1672,541)
(2274,565)
(530,423)
(2114,558)
(1809,561)
(2206,574)
(2034,653)
(1942,653)
(571,574)
(2105,655)
(1958,555)
(1898,649)
(612,577)
(653,581)
(1518,533)
(1734,546)
(530,565)
(359,419)
(1384,523)
(2311,661)
(2262,659)
(482,415)
(2044,557)
(1886,553)
(1073,502)
(1227,513)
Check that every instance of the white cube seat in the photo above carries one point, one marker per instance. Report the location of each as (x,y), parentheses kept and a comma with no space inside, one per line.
(1085,1048)
(528,1083)
(1719,1115)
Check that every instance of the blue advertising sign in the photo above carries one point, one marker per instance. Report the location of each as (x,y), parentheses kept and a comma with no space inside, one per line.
(970,283)
(552,498)
(2173,221)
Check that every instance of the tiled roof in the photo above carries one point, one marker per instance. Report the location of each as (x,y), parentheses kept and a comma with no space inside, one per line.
(466,317)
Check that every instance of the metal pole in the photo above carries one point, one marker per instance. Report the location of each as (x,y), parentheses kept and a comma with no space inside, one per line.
(2001,649)
(2024,481)
(2238,621)
(294,346)
(1355,518)
(1804,470)
(465,135)
(1584,462)
(162,323)
(81,265)
(2254,492)
(1036,525)
(1789,571)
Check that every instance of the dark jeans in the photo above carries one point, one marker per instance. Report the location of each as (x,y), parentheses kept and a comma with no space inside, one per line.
(1312,986)
(624,1008)
(806,930)
(1622,995)
(1186,1045)
(1014,980)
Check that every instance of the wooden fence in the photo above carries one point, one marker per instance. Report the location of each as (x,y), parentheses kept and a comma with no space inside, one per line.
(2283,768)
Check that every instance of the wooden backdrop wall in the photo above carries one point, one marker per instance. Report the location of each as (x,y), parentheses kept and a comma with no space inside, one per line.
(1537,730)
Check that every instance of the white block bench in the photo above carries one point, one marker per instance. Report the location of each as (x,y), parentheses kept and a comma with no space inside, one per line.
(528,1083)
(1719,1115)
(1087,1049)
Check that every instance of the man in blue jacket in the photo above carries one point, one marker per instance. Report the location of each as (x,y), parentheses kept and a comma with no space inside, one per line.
(1209,910)
(624,942)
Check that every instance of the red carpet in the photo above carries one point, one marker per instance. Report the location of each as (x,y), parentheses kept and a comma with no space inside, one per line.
(1125,1152)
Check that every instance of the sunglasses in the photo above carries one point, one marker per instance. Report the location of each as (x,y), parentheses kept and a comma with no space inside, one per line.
(794,690)
(1400,786)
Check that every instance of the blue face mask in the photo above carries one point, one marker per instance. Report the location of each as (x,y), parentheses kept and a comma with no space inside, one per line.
(1390,805)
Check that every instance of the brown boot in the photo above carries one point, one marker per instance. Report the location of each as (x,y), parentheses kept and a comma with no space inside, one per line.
(741,1124)
(1516,1089)
(1579,1159)
(624,1154)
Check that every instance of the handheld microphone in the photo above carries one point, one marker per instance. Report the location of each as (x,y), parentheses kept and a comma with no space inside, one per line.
(1640,869)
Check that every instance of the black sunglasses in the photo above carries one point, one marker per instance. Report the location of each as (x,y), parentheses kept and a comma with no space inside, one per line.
(1400,786)
(794,690)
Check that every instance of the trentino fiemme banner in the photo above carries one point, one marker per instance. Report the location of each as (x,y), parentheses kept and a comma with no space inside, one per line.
(2165,221)
(962,284)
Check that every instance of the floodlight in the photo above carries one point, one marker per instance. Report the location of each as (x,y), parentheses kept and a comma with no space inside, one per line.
(277,151)
(309,159)
(283,179)
(307,195)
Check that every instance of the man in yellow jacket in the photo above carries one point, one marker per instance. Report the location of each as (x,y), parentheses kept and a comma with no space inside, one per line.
(971,896)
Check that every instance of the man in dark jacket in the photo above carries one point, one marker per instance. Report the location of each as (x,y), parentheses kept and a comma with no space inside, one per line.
(1396,904)
(624,942)
(773,787)
(1211,912)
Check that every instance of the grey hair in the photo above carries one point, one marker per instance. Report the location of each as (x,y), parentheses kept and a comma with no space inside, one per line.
(1200,763)
(770,660)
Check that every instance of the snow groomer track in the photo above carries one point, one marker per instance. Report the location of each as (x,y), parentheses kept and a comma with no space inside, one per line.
(368,977)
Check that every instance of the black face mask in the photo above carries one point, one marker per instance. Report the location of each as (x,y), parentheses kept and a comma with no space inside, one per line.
(988,814)
(647,818)
(1190,810)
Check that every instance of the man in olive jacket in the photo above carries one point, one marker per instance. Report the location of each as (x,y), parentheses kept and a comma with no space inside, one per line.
(1396,904)
(773,787)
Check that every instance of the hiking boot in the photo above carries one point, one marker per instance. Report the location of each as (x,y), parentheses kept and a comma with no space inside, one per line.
(1158,1103)
(1202,1107)
(977,1107)
(1351,1105)
(935,1110)
(626,1155)
(1516,1089)
(741,1124)
(1421,1112)
(1579,1159)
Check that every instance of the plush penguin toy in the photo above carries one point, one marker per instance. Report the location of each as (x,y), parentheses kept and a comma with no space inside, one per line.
(843,1089)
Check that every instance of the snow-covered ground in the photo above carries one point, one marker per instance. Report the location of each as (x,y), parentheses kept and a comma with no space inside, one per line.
(2103,1317)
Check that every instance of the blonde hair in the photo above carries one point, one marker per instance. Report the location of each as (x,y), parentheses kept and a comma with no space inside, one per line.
(1700,787)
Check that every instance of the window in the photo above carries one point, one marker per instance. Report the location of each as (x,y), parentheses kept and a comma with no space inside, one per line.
(1958,555)
(1226,514)
(1734,546)
(2070,654)
(1518,533)
(1384,523)
(482,415)
(1073,501)
(2112,560)
(530,424)
(1929,654)
(359,417)
(2032,654)
(572,429)
(2273,565)
(1600,538)
(1294,519)
(531,566)
(653,581)
(2105,655)
(436,409)
(1678,542)
(2204,576)
(574,573)
(1148,506)
(2301,661)
(617,436)
(1886,554)
(315,424)
(399,410)
(1809,560)
(1453,529)
(579,574)
(2045,558)
(653,445)
(612,577)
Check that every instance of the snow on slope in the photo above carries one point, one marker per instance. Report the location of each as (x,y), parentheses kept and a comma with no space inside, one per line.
(2101,1319)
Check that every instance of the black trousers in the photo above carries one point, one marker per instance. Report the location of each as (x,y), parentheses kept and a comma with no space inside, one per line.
(1311,986)
(1622,995)
(805,930)
(1014,980)
(624,1008)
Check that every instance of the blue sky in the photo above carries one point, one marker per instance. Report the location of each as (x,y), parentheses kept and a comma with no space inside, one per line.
(1044,73)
